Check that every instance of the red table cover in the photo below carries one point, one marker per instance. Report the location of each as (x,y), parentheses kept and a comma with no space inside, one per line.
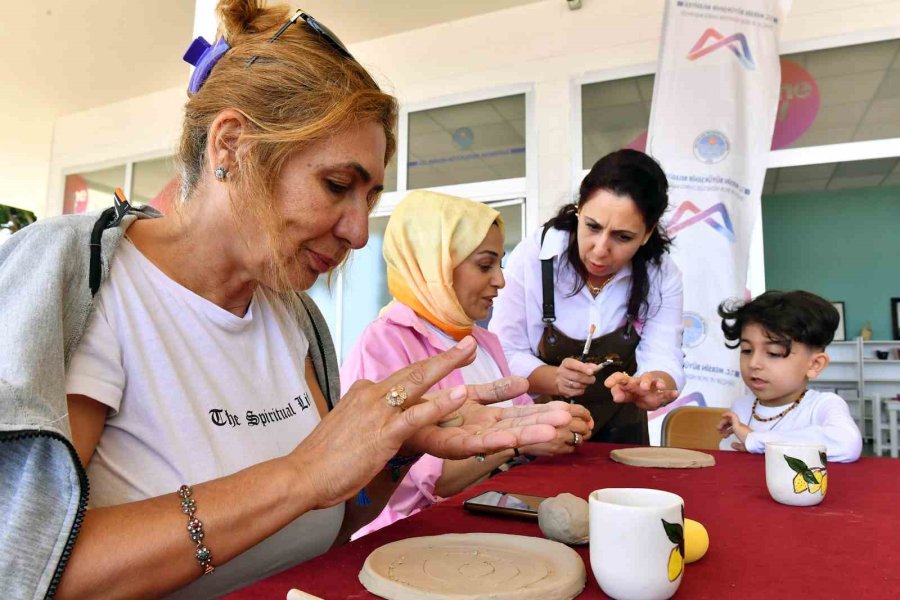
(847,547)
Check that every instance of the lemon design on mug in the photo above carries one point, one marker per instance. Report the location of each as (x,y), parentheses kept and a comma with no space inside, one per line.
(813,480)
(675,533)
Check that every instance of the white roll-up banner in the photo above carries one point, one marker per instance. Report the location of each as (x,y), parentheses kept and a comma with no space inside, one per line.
(715,99)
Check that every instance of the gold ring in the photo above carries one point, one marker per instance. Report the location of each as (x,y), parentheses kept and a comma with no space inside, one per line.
(397,396)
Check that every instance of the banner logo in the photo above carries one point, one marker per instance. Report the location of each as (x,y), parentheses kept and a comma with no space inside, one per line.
(711,147)
(712,40)
(688,214)
(694,329)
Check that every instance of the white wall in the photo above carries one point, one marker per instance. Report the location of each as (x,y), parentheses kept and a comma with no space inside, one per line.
(24,150)
(544,45)
(143,127)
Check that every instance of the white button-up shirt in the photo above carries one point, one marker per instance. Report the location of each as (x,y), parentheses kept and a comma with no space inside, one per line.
(518,313)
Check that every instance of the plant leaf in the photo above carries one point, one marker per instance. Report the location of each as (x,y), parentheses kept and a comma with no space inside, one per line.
(674,531)
(796,465)
(810,477)
(824,458)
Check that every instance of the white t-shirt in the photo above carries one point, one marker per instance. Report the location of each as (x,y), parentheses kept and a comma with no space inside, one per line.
(195,393)
(820,418)
(483,369)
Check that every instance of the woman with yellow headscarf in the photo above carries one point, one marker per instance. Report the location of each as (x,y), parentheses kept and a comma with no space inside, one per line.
(443,258)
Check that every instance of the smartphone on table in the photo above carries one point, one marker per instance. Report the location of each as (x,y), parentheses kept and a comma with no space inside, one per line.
(505,503)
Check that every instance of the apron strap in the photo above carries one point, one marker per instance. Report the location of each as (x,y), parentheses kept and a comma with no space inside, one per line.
(549,304)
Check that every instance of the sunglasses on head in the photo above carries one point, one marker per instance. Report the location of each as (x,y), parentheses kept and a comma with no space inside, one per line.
(323,31)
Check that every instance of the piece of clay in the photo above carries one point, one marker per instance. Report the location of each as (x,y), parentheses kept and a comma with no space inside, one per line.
(564,518)
(474,566)
(452,421)
(666,458)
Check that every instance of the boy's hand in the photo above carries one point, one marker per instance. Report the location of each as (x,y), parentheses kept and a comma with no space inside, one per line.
(729,424)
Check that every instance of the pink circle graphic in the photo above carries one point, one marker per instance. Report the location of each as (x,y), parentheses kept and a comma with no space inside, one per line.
(798,104)
(638,143)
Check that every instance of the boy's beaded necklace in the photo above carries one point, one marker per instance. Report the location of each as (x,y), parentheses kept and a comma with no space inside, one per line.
(780,415)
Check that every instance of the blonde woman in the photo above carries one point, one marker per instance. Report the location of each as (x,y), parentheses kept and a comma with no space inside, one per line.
(177,359)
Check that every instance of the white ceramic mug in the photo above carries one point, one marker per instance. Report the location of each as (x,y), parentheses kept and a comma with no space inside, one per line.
(796,474)
(637,542)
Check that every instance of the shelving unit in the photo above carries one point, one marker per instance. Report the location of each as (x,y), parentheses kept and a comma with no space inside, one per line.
(858,376)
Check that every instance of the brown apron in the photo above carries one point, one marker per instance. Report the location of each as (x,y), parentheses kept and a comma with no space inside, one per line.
(616,423)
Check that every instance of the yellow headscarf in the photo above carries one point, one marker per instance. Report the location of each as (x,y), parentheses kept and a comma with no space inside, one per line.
(427,237)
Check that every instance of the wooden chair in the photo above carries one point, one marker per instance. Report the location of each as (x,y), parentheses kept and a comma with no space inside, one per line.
(692,427)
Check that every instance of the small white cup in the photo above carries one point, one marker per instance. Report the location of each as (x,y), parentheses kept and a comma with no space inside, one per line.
(796,474)
(637,542)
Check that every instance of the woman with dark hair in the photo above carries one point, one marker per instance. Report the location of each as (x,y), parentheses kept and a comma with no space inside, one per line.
(601,269)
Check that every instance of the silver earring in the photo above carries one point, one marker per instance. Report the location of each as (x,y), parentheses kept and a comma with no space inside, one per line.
(221,172)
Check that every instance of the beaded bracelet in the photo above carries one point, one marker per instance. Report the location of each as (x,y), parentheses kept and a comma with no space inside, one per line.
(195,529)
(396,464)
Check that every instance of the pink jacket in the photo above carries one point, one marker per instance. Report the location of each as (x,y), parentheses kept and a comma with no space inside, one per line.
(395,340)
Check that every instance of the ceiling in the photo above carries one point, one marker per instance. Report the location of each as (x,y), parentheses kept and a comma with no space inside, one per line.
(360,20)
(64,56)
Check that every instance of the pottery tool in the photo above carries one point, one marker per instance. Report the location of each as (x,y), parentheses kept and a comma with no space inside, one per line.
(587,343)
(609,359)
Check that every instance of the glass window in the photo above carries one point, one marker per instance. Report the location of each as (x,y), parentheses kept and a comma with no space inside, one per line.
(364,286)
(93,189)
(154,182)
(325,297)
(390,175)
(847,94)
(465,143)
(614,115)
(514,219)
(365,289)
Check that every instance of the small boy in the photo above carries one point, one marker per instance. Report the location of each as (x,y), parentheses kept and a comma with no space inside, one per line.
(782,337)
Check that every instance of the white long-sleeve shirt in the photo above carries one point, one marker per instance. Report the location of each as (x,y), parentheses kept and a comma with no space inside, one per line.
(517,317)
(820,418)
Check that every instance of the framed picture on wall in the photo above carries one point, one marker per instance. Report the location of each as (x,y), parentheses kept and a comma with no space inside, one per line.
(840,334)
(895,316)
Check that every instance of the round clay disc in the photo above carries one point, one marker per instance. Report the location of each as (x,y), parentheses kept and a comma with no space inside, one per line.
(474,566)
(667,458)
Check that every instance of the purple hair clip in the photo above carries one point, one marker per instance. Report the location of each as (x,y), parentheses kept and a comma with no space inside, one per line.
(204,57)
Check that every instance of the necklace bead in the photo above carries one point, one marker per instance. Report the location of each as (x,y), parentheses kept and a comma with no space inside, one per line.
(779,416)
